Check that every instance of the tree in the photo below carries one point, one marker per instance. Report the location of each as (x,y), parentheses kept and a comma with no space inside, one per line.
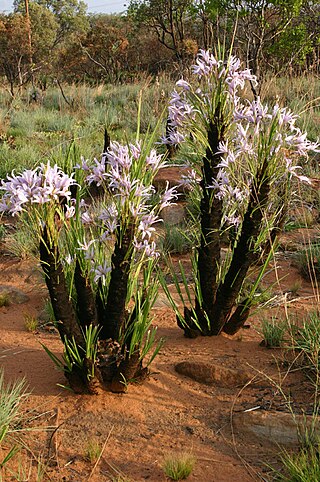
(14,57)
(259,24)
(70,15)
(169,20)
(106,46)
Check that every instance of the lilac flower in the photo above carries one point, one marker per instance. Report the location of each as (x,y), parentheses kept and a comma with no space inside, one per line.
(121,182)
(174,138)
(300,143)
(97,173)
(70,211)
(285,116)
(190,179)
(183,84)
(56,183)
(101,272)
(135,150)
(155,161)
(88,248)
(235,77)
(145,226)
(205,63)
(254,113)
(118,156)
(148,249)
(87,218)
(292,171)
(41,185)
(168,196)
(109,216)
(83,165)
(220,180)
(69,259)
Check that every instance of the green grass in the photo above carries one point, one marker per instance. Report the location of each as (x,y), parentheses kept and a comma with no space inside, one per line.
(34,132)
(303,466)
(22,244)
(273,332)
(308,261)
(4,300)
(306,340)
(92,451)
(178,466)
(30,322)
(11,396)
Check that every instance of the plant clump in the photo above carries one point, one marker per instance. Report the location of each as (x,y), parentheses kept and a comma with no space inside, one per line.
(178,466)
(94,225)
(245,161)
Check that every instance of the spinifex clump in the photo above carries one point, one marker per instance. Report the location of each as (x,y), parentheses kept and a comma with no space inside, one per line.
(242,154)
(98,258)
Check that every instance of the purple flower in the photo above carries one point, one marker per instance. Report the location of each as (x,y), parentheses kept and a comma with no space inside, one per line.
(118,156)
(168,196)
(155,160)
(148,249)
(70,211)
(42,185)
(97,173)
(101,272)
(145,227)
(183,84)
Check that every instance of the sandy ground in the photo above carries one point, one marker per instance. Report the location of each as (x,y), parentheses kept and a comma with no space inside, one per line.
(169,413)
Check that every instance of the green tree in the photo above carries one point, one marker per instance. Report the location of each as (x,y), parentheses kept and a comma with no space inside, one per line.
(70,15)
(258,25)
(169,20)
(14,57)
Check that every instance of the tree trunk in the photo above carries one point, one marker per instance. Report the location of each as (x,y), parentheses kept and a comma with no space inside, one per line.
(86,306)
(59,294)
(209,250)
(114,316)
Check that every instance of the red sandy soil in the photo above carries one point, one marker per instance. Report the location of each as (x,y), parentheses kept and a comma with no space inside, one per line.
(168,413)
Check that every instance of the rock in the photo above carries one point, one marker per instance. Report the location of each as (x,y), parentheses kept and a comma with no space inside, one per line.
(171,176)
(174,214)
(13,295)
(276,427)
(213,374)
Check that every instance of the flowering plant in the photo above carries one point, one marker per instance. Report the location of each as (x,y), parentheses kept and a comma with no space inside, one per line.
(243,152)
(98,255)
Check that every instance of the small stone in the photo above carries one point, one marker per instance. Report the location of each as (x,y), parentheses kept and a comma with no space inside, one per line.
(213,374)
(14,295)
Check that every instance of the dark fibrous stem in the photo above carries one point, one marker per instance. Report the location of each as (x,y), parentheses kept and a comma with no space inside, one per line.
(86,307)
(59,294)
(244,254)
(115,310)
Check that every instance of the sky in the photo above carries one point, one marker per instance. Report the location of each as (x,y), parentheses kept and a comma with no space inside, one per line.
(94,6)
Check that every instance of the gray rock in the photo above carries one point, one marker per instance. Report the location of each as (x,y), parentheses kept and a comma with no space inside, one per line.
(14,295)
(279,428)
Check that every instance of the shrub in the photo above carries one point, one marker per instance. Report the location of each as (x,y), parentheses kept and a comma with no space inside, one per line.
(242,153)
(98,259)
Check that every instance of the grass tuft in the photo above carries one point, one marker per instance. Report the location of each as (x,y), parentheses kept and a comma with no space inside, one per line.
(92,451)
(273,332)
(30,322)
(301,467)
(178,466)
(4,299)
